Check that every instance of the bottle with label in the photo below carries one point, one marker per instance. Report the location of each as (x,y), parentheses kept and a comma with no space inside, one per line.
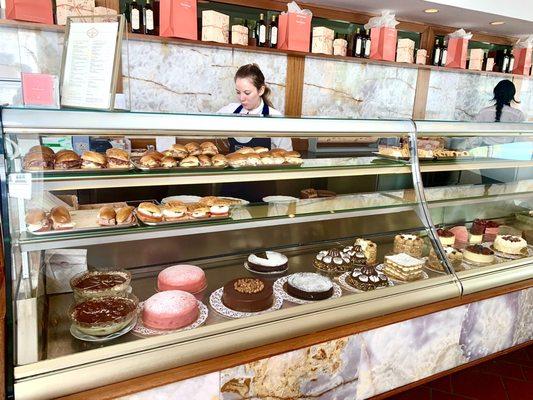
(136,17)
(358,44)
(511,63)
(273,33)
(505,62)
(436,53)
(261,31)
(149,18)
(367,44)
(443,54)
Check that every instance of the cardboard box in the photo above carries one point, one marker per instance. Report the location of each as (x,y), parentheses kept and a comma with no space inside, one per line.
(73,8)
(477,54)
(405,51)
(239,35)
(475,65)
(490,64)
(421,56)
(340,47)
(215,27)
(322,40)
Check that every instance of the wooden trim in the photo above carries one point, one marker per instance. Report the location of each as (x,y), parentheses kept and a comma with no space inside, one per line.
(294,85)
(450,371)
(421,94)
(231,360)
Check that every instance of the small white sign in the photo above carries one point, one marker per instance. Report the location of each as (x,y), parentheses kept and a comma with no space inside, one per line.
(20,186)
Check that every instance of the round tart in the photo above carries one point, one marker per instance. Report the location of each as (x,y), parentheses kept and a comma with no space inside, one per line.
(248,294)
(333,260)
(91,284)
(478,254)
(509,244)
(171,309)
(309,286)
(268,261)
(102,316)
(188,278)
(446,237)
(367,278)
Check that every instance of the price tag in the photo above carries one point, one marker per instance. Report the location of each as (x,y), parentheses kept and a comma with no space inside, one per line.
(20,186)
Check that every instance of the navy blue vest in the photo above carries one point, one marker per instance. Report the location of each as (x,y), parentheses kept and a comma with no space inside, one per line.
(234,145)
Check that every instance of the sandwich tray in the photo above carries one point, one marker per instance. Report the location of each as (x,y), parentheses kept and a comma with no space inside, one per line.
(85,221)
(270,167)
(79,170)
(458,158)
(177,169)
(185,220)
(400,158)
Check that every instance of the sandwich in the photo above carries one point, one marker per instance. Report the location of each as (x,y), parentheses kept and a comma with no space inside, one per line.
(117,158)
(198,210)
(67,159)
(219,160)
(149,161)
(38,161)
(93,160)
(42,149)
(193,149)
(174,212)
(61,219)
(253,160)
(237,160)
(168,162)
(266,159)
(208,201)
(177,151)
(155,154)
(125,215)
(260,150)
(149,212)
(293,157)
(37,221)
(208,148)
(188,162)
(277,158)
(106,216)
(204,161)
(245,150)
(219,209)
(278,152)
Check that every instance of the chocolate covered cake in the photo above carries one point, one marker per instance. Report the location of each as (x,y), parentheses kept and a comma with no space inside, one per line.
(309,286)
(268,261)
(357,255)
(333,260)
(100,284)
(367,278)
(248,294)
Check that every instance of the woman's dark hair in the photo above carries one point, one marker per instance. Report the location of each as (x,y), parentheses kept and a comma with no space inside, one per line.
(504,93)
(253,72)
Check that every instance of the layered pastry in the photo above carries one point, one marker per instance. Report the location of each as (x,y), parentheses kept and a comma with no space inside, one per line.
(403,267)
(91,284)
(369,248)
(248,294)
(454,256)
(268,261)
(410,244)
(446,237)
(333,260)
(171,309)
(309,286)
(316,193)
(37,220)
(476,231)
(367,278)
(101,316)
(478,254)
(510,244)
(393,151)
(188,278)
(357,255)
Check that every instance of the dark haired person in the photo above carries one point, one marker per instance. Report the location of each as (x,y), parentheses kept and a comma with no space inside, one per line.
(254,99)
(502,111)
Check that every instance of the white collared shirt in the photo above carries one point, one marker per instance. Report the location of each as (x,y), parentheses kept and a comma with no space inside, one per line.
(509,114)
(277,143)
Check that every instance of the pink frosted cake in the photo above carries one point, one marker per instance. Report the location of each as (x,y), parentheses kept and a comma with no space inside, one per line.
(188,278)
(461,236)
(171,309)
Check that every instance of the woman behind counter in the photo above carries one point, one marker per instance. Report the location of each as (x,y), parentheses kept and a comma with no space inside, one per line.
(254,99)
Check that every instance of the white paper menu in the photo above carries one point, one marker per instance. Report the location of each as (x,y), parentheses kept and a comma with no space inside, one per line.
(89,65)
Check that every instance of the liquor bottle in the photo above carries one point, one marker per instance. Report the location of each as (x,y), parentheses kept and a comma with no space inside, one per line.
(511,63)
(252,31)
(358,44)
(149,18)
(443,54)
(367,44)
(505,62)
(136,17)
(261,31)
(273,33)
(436,53)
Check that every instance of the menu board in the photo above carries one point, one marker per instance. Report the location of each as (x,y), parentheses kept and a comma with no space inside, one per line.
(89,65)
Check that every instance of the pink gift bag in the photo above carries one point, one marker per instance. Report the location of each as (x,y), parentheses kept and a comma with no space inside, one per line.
(30,10)
(294,32)
(457,51)
(522,61)
(383,43)
(178,18)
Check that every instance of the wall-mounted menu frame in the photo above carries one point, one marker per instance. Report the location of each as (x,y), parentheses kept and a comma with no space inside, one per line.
(91,61)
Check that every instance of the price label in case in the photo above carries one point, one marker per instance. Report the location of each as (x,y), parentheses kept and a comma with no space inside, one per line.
(19,186)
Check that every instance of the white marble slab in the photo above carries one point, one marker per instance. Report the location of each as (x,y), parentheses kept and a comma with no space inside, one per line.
(525,97)
(9,53)
(353,90)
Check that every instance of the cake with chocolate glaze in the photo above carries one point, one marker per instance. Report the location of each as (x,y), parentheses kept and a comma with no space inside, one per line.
(409,244)
(367,278)
(333,260)
(248,294)
(510,244)
(91,284)
(268,261)
(478,254)
(309,286)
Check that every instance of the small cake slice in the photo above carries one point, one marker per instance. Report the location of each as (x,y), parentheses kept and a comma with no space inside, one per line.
(446,237)
(454,256)
(476,231)
(369,248)
(403,267)
(410,244)
(357,256)
(510,244)
(309,286)
(478,254)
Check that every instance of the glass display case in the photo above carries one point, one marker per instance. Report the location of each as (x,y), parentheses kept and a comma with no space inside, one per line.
(282,243)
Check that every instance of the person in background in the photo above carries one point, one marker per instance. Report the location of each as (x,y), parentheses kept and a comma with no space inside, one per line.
(502,111)
(254,99)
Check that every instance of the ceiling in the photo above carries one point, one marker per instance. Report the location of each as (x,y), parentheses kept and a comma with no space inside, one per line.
(474,15)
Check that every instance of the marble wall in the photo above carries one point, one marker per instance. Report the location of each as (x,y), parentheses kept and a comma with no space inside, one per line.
(526,98)
(364,365)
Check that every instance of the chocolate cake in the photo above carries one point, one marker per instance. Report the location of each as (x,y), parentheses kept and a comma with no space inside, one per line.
(333,260)
(100,284)
(309,286)
(268,261)
(357,255)
(367,278)
(248,294)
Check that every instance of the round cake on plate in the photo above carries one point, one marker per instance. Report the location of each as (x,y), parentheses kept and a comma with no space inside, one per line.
(367,278)
(309,286)
(248,294)
(510,244)
(478,254)
(171,309)
(268,261)
(333,260)
(188,278)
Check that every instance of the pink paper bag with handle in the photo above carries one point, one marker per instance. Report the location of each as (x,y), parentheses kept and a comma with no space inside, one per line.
(178,18)
(457,50)
(294,32)
(522,61)
(30,10)
(383,45)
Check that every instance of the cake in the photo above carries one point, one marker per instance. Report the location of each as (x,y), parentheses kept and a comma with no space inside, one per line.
(309,286)
(491,230)
(171,309)
(403,267)
(91,284)
(510,244)
(455,257)
(370,249)
(101,316)
(446,237)
(248,294)
(333,260)
(478,254)
(268,261)
(461,235)
(188,278)
(367,278)
(409,244)
(356,255)
(476,231)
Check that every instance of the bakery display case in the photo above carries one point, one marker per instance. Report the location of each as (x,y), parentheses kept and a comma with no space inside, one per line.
(140,261)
